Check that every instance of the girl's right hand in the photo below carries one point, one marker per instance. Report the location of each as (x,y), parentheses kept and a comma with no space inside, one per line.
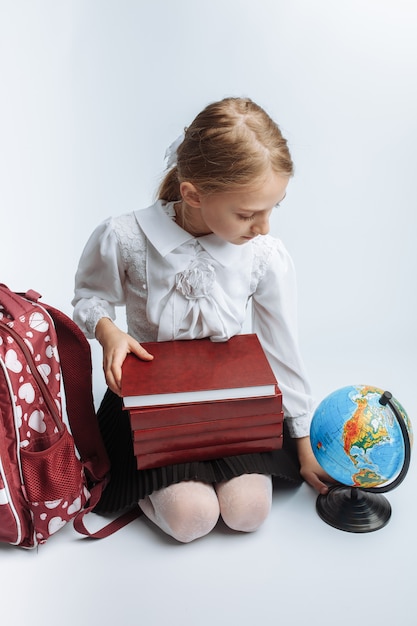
(116,345)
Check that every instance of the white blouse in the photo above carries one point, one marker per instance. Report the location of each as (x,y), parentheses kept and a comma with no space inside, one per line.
(177,286)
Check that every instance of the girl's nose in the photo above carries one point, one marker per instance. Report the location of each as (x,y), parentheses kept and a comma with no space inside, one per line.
(261,226)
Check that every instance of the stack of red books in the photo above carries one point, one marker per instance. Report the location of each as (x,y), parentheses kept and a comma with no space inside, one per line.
(200,400)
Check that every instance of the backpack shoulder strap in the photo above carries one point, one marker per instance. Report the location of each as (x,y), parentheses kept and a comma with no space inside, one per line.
(75,358)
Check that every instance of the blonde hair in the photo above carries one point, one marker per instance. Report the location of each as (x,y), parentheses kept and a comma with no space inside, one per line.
(229,144)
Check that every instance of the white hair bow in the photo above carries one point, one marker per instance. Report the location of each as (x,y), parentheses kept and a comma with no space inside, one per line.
(171,152)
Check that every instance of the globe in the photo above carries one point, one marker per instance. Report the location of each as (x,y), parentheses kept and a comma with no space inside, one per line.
(361,436)
(357,440)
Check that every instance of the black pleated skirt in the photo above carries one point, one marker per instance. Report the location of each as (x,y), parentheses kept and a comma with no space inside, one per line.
(128,484)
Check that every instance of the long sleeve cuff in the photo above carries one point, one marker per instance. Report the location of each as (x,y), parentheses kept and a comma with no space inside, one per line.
(87,317)
(299,426)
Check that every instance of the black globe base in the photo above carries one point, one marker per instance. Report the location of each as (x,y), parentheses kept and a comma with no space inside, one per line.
(353,510)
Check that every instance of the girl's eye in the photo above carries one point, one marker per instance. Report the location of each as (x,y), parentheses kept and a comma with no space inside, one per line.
(246,218)
(279,203)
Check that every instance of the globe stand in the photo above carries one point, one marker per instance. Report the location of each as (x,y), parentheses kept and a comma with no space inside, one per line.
(353,510)
(363,510)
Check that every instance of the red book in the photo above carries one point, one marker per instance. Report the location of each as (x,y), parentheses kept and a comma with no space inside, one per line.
(185,430)
(199,370)
(160,459)
(222,410)
(200,399)
(208,438)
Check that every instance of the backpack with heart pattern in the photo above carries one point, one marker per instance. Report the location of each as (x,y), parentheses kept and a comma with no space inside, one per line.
(53,464)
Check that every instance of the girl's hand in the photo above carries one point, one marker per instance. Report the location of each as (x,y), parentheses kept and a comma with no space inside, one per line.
(116,345)
(310,469)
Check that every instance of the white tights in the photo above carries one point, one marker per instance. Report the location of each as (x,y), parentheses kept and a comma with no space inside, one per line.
(190,509)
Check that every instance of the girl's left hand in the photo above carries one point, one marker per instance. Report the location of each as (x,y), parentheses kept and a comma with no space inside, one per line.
(310,469)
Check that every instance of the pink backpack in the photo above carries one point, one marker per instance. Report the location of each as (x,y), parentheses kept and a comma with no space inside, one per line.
(53,464)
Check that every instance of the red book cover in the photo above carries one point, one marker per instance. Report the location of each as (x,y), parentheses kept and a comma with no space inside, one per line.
(154,417)
(160,459)
(198,428)
(208,438)
(196,371)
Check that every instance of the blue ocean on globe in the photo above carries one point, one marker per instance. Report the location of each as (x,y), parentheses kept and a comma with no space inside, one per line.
(357,440)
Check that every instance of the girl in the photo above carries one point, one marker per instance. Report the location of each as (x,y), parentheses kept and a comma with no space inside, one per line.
(186,268)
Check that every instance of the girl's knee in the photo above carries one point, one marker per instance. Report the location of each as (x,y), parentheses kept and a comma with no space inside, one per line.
(245,501)
(185,511)
(193,519)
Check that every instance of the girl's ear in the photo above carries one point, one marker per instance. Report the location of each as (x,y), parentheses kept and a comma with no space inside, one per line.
(190,194)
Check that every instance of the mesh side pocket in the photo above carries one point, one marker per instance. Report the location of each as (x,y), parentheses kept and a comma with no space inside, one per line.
(53,473)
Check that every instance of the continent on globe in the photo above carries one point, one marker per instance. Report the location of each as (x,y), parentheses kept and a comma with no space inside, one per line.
(366,428)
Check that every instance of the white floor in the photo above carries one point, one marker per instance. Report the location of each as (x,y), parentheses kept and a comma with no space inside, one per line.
(295,570)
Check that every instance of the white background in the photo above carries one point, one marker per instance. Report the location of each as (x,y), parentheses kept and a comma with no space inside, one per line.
(91,94)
